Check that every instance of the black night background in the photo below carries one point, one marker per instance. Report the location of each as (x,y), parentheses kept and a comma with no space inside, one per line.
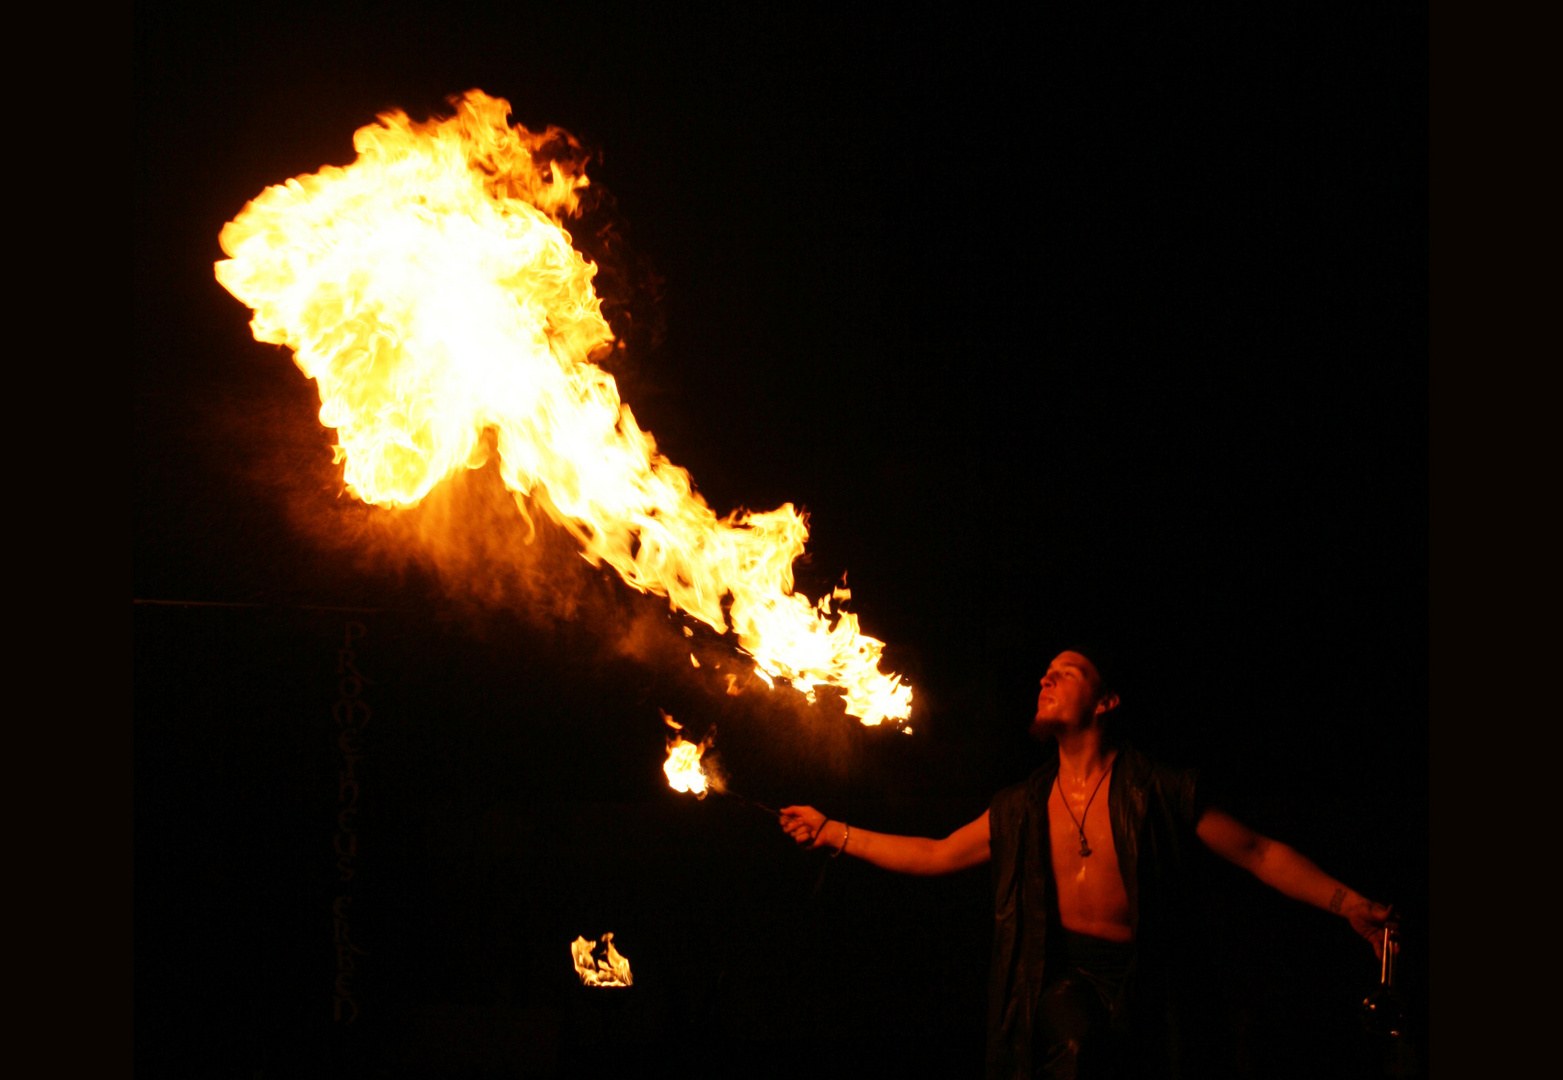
(1049,324)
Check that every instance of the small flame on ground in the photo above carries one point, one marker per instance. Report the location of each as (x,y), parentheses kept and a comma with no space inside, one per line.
(610,969)
(430,291)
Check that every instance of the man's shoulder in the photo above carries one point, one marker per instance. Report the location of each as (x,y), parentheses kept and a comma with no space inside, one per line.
(1174,785)
(1015,797)
(1006,797)
(1142,766)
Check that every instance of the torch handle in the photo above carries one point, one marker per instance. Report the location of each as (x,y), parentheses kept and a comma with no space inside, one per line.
(750,802)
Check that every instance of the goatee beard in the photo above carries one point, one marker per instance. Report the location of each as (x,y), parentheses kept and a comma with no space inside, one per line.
(1044,730)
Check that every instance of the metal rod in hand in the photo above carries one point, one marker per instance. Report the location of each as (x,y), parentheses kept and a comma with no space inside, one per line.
(749,802)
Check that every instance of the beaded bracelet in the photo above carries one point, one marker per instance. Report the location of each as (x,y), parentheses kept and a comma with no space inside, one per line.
(844,838)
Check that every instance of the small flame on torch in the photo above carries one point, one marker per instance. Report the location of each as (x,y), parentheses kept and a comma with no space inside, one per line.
(683,763)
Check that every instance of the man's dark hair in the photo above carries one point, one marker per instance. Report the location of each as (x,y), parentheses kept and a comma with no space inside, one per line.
(1105,660)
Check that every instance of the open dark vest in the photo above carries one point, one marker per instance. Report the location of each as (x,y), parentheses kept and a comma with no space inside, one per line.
(1153,810)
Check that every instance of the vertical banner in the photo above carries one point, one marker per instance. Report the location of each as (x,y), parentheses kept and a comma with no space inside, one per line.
(351,714)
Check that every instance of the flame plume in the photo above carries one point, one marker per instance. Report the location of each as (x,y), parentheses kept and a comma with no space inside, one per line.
(429,290)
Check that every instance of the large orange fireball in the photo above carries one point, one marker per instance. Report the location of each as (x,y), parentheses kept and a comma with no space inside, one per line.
(431,293)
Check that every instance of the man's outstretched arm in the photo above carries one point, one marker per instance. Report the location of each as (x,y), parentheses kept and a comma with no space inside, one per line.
(965,847)
(1288,871)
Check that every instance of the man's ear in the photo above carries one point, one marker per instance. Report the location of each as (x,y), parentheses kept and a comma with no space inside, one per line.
(1107,703)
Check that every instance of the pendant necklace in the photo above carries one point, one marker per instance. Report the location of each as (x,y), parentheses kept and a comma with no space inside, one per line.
(1085,848)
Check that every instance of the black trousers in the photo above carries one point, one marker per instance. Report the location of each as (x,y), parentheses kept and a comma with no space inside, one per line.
(1074,1038)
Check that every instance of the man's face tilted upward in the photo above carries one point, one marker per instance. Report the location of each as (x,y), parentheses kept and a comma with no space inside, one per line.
(1070,697)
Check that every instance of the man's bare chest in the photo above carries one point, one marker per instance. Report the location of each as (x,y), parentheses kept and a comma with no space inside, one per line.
(1090,889)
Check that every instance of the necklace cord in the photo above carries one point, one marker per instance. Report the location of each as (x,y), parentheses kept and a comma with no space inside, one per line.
(1085,849)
